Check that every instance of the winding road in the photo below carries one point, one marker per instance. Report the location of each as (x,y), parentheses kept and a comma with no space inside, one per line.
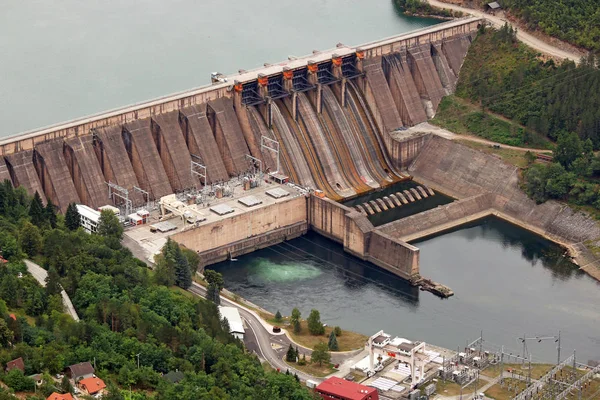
(522,35)
(272,347)
(40,275)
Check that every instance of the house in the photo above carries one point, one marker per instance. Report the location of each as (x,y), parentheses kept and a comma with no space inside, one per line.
(341,389)
(174,376)
(37,378)
(493,7)
(58,396)
(236,326)
(17,363)
(92,385)
(13,317)
(89,218)
(80,371)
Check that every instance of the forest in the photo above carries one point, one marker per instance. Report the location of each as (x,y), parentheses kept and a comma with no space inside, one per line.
(125,309)
(575,21)
(506,77)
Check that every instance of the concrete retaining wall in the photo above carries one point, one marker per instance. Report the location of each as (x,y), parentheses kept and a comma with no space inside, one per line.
(245,232)
(463,172)
(362,239)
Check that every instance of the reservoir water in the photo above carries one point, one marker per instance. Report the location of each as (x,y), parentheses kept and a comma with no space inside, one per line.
(68,58)
(507,282)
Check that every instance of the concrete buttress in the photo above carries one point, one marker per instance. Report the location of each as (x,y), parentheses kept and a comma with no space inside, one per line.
(4,173)
(23,173)
(115,162)
(86,172)
(201,142)
(173,151)
(145,159)
(228,135)
(425,75)
(54,174)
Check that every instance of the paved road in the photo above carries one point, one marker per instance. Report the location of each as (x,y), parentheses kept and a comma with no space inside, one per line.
(260,339)
(40,275)
(523,36)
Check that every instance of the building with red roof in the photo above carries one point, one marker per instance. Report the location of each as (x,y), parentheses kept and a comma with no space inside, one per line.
(58,396)
(92,385)
(16,364)
(336,388)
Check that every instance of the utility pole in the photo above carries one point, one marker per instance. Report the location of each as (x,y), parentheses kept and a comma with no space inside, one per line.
(138,359)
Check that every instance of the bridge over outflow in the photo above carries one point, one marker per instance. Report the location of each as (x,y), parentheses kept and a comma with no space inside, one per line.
(332,113)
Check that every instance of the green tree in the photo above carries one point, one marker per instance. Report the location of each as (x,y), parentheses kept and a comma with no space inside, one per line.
(315,326)
(6,335)
(291,355)
(50,214)
(17,381)
(535,182)
(320,354)
(183,275)
(333,344)
(338,331)
(278,316)
(65,385)
(109,225)
(568,149)
(582,167)
(8,246)
(36,210)
(53,282)
(72,217)
(30,239)
(559,182)
(295,319)
(215,285)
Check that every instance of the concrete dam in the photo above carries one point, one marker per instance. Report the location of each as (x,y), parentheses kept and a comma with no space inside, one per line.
(325,121)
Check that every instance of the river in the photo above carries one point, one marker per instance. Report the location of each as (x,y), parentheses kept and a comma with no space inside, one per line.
(69,58)
(507,281)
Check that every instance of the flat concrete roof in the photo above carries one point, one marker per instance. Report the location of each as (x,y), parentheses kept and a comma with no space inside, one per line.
(277,193)
(222,209)
(250,201)
(164,226)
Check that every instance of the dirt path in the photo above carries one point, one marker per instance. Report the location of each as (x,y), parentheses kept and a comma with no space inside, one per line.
(436,130)
(522,35)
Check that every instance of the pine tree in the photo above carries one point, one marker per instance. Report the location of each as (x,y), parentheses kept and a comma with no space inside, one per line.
(295,320)
(30,239)
(109,225)
(53,282)
(50,213)
(72,218)
(278,316)
(333,344)
(36,210)
(297,377)
(215,285)
(183,275)
(290,356)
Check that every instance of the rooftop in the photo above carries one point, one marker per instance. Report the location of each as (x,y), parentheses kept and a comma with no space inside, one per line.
(87,212)
(58,396)
(233,318)
(15,364)
(92,385)
(346,389)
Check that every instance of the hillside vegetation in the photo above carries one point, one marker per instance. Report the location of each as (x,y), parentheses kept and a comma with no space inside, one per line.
(506,77)
(125,313)
(575,21)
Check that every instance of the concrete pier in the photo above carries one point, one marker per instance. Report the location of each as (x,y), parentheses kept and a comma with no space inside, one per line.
(4,173)
(23,173)
(201,142)
(145,159)
(86,172)
(114,161)
(54,174)
(173,151)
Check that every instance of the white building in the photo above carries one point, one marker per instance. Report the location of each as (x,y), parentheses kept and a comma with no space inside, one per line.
(89,218)
(236,326)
